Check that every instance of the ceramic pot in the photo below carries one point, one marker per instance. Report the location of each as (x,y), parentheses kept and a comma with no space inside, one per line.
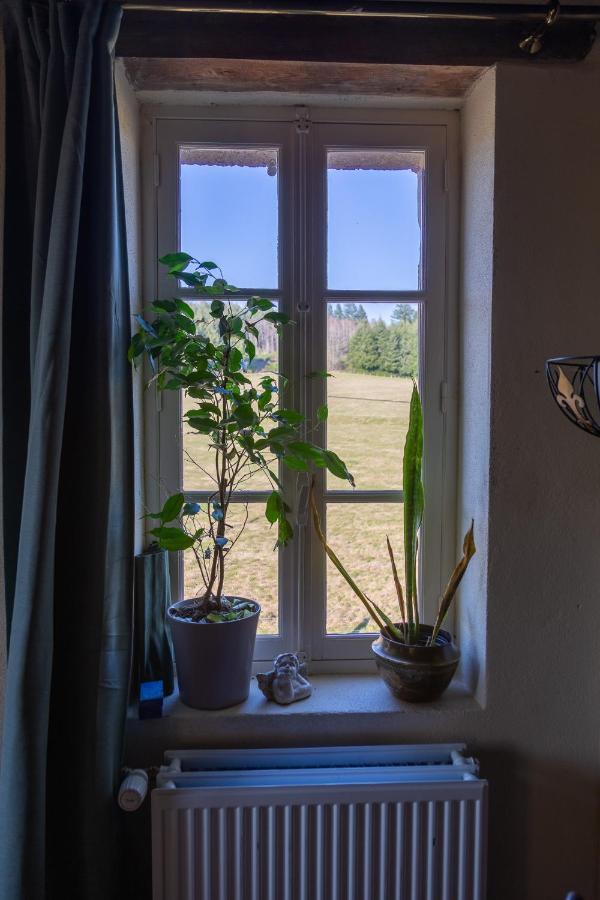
(415,672)
(213,659)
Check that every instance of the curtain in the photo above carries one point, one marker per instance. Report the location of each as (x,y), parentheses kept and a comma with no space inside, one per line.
(67,454)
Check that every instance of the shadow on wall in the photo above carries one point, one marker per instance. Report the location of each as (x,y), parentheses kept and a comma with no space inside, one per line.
(525,790)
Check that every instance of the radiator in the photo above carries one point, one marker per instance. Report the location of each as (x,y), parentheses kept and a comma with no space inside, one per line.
(331,823)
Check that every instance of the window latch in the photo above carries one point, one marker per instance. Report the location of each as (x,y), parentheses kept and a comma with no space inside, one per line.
(302,120)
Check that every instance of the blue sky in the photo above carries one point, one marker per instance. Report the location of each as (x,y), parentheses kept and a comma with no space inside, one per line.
(229,215)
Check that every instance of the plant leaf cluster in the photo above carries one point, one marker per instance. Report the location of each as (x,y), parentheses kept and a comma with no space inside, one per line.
(248,429)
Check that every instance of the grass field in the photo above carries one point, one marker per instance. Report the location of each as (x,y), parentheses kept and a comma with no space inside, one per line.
(368,417)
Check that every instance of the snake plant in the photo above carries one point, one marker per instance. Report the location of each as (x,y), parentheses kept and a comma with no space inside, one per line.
(408,629)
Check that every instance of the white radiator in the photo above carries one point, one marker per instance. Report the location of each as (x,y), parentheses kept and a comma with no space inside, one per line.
(328,823)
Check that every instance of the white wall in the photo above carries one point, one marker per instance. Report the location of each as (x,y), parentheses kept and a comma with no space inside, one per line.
(531,290)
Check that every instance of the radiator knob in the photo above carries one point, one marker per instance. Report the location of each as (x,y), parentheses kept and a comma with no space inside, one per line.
(133,790)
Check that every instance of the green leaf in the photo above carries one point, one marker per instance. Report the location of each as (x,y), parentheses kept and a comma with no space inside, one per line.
(322,412)
(278,318)
(176,261)
(165,305)
(259,303)
(295,462)
(203,408)
(184,322)
(281,431)
(202,425)
(173,538)
(284,532)
(217,308)
(250,350)
(274,507)
(191,279)
(172,508)
(244,415)
(136,346)
(336,466)
(184,308)
(321,373)
(412,486)
(208,265)
(290,416)
(264,400)
(235,359)
(306,451)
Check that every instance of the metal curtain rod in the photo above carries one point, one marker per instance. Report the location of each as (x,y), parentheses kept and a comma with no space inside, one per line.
(387,10)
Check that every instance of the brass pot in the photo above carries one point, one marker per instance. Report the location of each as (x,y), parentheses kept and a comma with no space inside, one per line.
(415,672)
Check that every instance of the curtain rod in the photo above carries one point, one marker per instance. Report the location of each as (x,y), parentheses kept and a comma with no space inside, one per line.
(476,12)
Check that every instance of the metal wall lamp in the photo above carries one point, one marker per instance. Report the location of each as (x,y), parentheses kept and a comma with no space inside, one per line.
(575,385)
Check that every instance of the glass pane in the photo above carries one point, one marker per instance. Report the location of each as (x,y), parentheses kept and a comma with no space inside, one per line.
(374,201)
(252,565)
(198,459)
(229,211)
(357,532)
(372,354)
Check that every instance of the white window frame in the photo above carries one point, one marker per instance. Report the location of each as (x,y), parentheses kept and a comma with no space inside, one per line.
(303,136)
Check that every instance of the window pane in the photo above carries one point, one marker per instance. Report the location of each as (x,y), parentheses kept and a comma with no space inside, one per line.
(374,220)
(198,459)
(372,354)
(252,565)
(357,532)
(229,211)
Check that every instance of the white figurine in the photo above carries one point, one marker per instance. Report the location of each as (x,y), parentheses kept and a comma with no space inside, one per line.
(285,683)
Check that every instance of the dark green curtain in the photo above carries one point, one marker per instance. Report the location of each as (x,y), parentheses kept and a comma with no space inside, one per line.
(67,454)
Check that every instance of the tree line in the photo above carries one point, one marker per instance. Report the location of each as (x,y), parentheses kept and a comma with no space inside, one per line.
(357,345)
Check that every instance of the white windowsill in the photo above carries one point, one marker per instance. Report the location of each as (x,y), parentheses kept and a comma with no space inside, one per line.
(342,709)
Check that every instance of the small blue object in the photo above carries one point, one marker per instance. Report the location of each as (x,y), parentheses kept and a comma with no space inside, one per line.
(151,699)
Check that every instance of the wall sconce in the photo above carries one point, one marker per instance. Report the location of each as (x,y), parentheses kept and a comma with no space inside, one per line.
(575,385)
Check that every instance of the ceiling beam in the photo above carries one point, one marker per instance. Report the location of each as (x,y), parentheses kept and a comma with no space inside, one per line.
(156,31)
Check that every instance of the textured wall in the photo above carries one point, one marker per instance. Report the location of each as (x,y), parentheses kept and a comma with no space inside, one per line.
(475,317)
(543,677)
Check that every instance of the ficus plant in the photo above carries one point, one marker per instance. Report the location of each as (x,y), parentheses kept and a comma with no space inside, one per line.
(248,430)
(407,630)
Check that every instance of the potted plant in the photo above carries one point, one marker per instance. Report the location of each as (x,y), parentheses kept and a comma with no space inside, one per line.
(248,432)
(416,661)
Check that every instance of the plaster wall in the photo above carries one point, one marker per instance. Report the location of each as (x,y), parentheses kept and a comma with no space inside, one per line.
(543,626)
(478,131)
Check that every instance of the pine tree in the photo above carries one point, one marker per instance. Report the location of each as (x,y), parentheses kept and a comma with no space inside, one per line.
(363,350)
(404,312)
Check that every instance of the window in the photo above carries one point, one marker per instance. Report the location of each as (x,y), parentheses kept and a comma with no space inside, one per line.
(341,218)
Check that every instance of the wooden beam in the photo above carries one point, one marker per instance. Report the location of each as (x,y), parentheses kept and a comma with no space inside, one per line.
(345,39)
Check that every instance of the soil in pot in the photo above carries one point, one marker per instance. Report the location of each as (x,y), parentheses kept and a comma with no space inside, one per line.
(415,672)
(213,659)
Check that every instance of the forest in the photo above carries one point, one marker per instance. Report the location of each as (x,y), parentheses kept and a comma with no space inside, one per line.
(356,344)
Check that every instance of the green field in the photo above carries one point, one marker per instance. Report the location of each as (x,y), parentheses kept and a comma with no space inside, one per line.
(368,417)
